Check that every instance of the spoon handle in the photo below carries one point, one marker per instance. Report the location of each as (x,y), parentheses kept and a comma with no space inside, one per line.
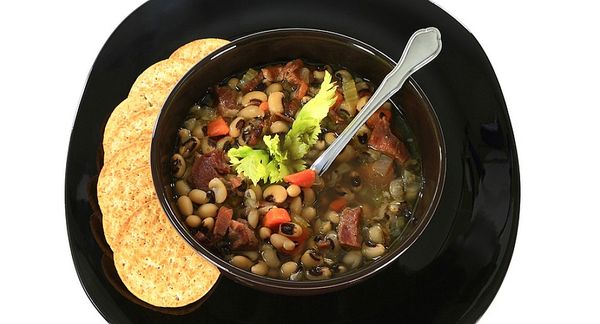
(422,47)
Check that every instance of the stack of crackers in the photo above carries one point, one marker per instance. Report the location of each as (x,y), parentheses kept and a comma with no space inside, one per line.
(153,261)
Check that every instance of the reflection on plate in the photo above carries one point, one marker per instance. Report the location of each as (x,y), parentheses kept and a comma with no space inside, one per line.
(450,274)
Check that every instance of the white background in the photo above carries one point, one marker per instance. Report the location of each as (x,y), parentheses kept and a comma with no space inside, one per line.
(545,56)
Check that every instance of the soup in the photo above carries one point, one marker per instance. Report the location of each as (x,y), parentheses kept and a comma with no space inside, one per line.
(239,171)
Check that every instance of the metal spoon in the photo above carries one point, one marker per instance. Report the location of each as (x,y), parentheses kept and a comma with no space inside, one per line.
(422,47)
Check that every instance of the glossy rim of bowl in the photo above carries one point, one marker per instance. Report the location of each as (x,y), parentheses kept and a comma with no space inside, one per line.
(280,285)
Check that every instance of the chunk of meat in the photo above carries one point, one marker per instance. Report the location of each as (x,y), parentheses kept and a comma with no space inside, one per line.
(291,107)
(273,73)
(250,85)
(291,72)
(379,172)
(253,132)
(222,221)
(241,236)
(382,139)
(324,243)
(201,238)
(227,101)
(207,167)
(234,182)
(348,228)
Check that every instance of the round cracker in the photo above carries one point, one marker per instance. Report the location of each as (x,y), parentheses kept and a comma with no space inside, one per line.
(137,128)
(156,265)
(195,51)
(118,133)
(157,81)
(124,184)
(153,261)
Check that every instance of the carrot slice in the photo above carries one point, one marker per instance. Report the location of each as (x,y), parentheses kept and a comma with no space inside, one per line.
(218,127)
(304,179)
(276,216)
(264,106)
(338,204)
(339,98)
(302,90)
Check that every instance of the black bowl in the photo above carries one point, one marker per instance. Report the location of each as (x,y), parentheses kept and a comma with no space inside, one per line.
(315,46)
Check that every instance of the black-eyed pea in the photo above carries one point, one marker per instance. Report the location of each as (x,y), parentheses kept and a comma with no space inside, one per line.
(209,223)
(363,134)
(397,189)
(264,233)
(373,252)
(225,143)
(207,210)
(182,187)
(251,112)
(376,234)
(233,82)
(293,190)
(235,128)
(296,205)
(261,268)
(288,268)
(274,87)
(193,221)
(252,255)
(265,209)
(189,147)
(275,194)
(253,218)
(309,213)
(289,245)
(198,132)
(290,229)
(218,188)
(281,242)
(257,191)
(325,227)
(308,196)
(178,165)
(279,126)
(275,102)
(318,75)
(206,145)
(269,255)
(184,135)
(332,216)
(242,262)
(318,273)
(198,196)
(185,205)
(253,96)
(311,258)
(329,138)
(362,101)
(352,259)
(189,123)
